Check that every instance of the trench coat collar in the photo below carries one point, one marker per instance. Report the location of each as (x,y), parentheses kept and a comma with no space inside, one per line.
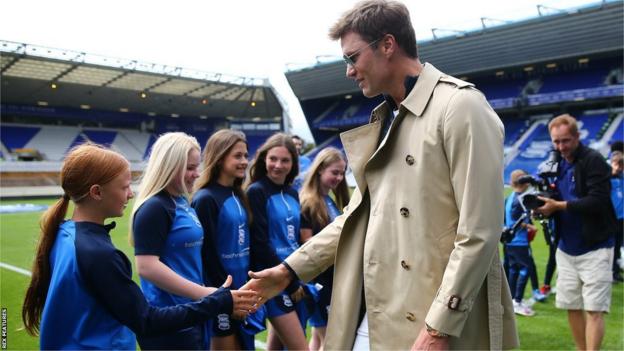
(417,99)
(409,83)
(359,145)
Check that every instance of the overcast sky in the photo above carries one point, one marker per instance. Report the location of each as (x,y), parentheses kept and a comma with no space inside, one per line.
(245,38)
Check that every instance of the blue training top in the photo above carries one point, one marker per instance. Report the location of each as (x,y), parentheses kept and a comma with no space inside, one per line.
(276,212)
(168,227)
(617,195)
(93,303)
(226,234)
(275,225)
(571,241)
(332,209)
(513,211)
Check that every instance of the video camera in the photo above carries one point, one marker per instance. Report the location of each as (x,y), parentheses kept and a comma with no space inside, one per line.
(544,185)
(509,233)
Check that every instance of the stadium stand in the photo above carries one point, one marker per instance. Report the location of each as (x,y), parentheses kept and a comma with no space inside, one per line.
(50,103)
(54,99)
(617,133)
(16,137)
(575,67)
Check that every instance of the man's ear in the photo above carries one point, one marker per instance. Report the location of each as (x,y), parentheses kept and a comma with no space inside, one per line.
(389,45)
(95,191)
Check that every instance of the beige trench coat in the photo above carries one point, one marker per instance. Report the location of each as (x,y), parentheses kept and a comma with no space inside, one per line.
(420,234)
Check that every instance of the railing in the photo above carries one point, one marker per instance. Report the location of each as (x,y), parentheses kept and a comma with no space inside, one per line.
(48,166)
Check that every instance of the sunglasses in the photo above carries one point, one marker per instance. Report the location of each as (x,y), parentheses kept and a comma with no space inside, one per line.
(351,59)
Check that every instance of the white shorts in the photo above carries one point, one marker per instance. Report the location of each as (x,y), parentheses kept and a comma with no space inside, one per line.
(584,281)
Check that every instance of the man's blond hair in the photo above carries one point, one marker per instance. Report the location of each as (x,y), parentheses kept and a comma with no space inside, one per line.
(564,120)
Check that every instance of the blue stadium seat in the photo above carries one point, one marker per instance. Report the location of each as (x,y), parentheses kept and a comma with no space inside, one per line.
(590,125)
(565,81)
(103,137)
(254,142)
(514,128)
(501,89)
(16,137)
(619,133)
(148,149)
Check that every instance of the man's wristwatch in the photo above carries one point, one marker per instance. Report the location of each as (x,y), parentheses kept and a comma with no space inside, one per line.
(436,333)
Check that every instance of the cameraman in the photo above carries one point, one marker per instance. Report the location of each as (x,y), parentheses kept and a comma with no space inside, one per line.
(585,222)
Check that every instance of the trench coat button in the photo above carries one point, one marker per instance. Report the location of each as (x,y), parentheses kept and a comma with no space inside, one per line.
(409,159)
(405,265)
(404,212)
(410,316)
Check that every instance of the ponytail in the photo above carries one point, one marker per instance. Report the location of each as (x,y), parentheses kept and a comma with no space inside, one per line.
(84,166)
(41,272)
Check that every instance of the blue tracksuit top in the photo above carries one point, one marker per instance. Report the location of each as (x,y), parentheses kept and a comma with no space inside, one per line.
(617,195)
(275,227)
(93,303)
(513,211)
(226,234)
(168,227)
(571,241)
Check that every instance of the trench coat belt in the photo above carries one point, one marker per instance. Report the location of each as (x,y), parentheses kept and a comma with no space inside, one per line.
(495,322)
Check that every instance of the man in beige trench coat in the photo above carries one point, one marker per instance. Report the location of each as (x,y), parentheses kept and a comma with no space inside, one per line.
(416,250)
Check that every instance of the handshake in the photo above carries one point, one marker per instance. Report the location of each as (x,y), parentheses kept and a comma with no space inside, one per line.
(263,286)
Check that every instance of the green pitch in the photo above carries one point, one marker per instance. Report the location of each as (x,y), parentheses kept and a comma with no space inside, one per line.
(547,330)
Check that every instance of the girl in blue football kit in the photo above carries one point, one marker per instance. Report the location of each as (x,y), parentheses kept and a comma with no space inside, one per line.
(275,232)
(318,209)
(81,294)
(168,236)
(223,211)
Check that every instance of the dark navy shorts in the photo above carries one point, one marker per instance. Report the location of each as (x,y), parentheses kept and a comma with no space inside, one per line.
(279,305)
(319,318)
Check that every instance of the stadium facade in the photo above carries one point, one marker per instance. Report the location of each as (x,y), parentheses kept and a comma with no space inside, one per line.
(530,71)
(54,99)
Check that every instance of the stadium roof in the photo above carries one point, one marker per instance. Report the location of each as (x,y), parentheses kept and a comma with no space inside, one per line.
(34,75)
(590,31)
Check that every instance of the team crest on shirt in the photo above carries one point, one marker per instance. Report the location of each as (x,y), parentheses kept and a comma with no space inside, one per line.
(223,322)
(287,301)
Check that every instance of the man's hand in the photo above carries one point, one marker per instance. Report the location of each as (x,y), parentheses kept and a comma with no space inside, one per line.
(550,206)
(427,342)
(268,283)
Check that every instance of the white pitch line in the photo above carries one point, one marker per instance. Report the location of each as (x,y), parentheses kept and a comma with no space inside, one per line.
(260,345)
(15,269)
